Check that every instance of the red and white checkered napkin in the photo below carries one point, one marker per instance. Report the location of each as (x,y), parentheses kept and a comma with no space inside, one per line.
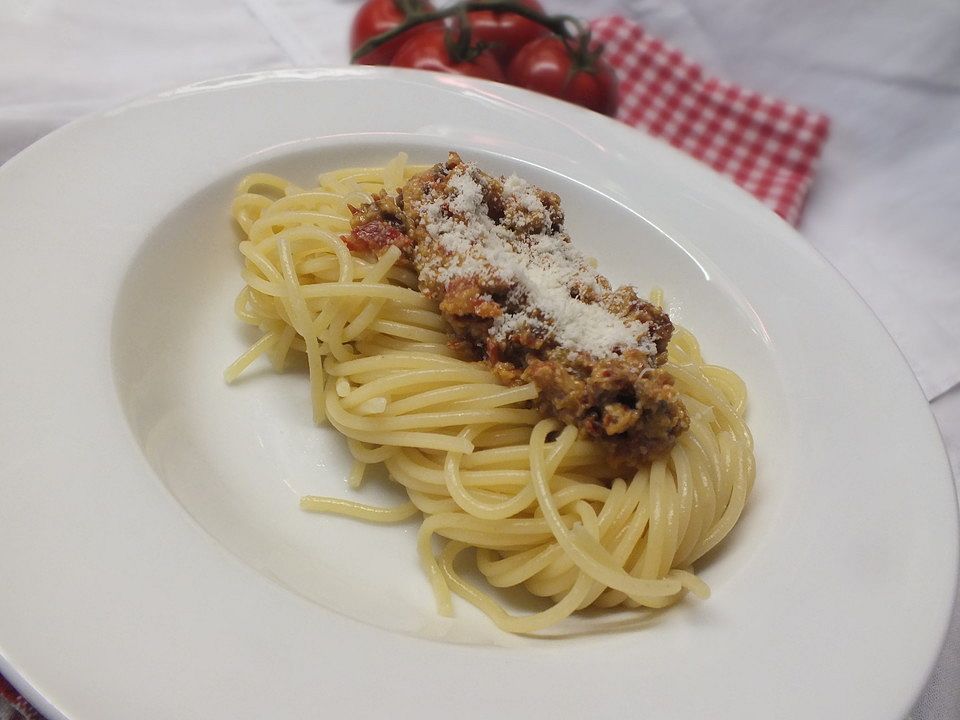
(13,706)
(767,146)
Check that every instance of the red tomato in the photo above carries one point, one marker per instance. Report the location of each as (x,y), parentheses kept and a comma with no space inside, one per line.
(506,32)
(376,17)
(427,50)
(547,65)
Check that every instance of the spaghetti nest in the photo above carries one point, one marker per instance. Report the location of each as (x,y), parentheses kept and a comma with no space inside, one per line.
(527,499)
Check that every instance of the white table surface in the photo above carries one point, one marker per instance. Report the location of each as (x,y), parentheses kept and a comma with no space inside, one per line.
(884,209)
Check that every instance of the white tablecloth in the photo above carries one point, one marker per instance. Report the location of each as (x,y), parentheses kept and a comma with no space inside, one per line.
(885,208)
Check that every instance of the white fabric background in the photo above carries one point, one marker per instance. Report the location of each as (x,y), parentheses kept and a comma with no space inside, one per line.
(885,208)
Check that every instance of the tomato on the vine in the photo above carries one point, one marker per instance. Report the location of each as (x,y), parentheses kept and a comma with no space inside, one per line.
(548,54)
(505,31)
(548,65)
(429,50)
(376,17)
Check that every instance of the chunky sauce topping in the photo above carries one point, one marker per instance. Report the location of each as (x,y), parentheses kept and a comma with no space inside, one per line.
(516,292)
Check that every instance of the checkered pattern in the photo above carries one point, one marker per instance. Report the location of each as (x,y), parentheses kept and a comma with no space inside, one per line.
(766,146)
(13,706)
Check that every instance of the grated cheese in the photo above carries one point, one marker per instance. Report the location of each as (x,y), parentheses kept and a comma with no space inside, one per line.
(542,270)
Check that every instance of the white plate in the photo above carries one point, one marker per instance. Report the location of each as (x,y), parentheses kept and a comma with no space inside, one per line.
(155,564)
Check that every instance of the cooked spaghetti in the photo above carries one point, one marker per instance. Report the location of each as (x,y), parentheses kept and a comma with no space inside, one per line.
(532,501)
